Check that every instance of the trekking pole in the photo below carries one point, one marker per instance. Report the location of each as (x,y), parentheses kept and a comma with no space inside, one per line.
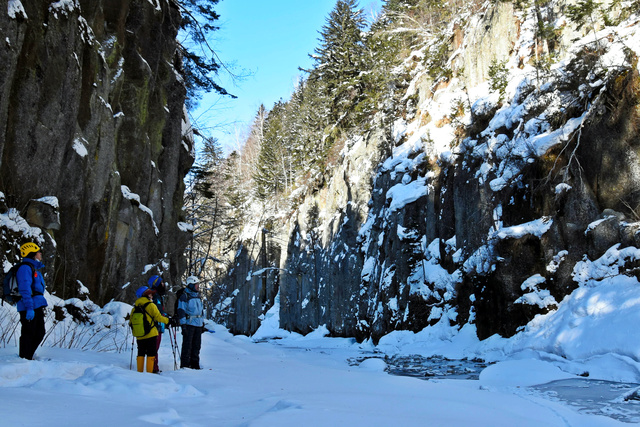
(131,361)
(173,350)
(176,341)
(174,355)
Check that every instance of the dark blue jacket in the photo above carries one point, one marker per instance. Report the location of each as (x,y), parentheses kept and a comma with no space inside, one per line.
(159,302)
(32,296)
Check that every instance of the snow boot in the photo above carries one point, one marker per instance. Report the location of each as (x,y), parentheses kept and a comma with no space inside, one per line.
(140,361)
(150,360)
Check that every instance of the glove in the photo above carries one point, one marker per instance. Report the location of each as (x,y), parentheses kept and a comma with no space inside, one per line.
(173,322)
(30,315)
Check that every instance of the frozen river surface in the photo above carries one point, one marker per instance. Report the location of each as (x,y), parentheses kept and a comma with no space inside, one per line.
(617,400)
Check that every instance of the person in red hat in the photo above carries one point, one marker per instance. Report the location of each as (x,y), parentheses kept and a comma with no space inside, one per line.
(146,340)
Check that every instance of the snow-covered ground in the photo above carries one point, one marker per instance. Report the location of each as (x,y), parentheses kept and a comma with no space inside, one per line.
(285,379)
(289,383)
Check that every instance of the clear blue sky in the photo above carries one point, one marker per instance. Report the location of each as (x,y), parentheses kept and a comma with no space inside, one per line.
(268,41)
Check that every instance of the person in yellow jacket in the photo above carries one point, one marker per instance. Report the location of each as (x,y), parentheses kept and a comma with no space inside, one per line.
(147,343)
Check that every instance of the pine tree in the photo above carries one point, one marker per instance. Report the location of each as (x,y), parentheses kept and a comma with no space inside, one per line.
(200,63)
(202,205)
(391,7)
(272,175)
(235,194)
(426,15)
(338,60)
(308,112)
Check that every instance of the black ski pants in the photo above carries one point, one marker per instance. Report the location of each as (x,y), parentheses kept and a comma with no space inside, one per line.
(32,333)
(191,343)
(147,347)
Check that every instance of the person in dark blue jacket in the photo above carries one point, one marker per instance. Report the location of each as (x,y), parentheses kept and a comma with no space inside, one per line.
(156,284)
(191,319)
(32,304)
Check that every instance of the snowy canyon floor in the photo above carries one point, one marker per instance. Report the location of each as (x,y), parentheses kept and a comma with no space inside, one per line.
(291,382)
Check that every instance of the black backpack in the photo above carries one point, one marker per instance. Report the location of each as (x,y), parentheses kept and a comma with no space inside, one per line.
(139,322)
(178,296)
(10,292)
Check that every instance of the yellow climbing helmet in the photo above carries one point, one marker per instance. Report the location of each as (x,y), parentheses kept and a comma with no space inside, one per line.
(27,248)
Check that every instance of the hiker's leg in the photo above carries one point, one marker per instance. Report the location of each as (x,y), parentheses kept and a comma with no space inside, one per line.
(27,334)
(152,355)
(155,362)
(39,331)
(140,357)
(140,363)
(150,361)
(187,339)
(195,348)
(146,347)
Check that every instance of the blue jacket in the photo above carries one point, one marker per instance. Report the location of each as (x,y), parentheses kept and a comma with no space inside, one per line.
(32,297)
(190,308)
(159,302)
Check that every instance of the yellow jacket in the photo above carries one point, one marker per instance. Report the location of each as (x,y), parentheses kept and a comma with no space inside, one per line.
(153,313)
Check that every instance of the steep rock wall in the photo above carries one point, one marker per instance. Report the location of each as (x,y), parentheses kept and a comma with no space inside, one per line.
(91,113)
(321,280)
(483,217)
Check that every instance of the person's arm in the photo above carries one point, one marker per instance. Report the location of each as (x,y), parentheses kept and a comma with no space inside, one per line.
(153,311)
(24,276)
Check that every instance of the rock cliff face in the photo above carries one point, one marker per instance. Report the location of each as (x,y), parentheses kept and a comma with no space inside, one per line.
(91,114)
(482,213)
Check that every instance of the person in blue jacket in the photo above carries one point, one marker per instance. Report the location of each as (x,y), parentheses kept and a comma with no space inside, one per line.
(191,320)
(32,304)
(156,284)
